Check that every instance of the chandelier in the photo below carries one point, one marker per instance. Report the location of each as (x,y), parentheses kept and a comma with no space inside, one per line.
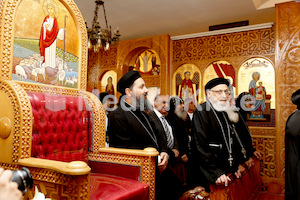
(101,37)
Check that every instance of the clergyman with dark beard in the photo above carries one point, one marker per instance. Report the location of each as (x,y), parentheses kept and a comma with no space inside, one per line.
(129,125)
(177,117)
(218,146)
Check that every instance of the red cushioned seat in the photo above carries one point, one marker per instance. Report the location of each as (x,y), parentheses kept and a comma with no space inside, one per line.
(107,187)
(62,131)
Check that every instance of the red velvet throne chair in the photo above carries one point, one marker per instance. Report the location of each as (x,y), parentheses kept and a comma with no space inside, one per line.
(57,130)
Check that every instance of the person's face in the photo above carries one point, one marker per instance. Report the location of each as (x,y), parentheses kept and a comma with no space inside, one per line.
(219,93)
(255,77)
(180,107)
(51,10)
(162,104)
(187,76)
(192,106)
(109,80)
(260,83)
(139,89)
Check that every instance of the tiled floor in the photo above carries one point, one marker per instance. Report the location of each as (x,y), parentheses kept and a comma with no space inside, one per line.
(268,196)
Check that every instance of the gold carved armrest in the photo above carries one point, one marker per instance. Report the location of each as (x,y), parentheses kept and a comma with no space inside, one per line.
(71,168)
(145,152)
(145,159)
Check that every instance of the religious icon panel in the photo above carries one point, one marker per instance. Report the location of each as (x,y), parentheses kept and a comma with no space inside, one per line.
(186,80)
(221,69)
(109,82)
(257,78)
(147,63)
(46,44)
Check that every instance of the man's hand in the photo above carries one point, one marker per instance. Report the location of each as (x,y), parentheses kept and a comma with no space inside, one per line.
(184,158)
(176,152)
(8,190)
(223,180)
(239,172)
(258,155)
(249,163)
(164,157)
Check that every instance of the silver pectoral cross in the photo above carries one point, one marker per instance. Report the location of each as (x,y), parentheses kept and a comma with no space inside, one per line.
(230,159)
(244,152)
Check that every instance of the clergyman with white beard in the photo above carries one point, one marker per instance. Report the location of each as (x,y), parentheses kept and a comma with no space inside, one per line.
(218,145)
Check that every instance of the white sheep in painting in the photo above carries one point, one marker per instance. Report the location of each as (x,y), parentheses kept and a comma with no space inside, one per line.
(35,74)
(21,72)
(69,81)
(61,76)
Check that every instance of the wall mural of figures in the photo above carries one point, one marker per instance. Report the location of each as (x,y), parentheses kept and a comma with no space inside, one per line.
(221,69)
(147,63)
(257,77)
(46,44)
(187,82)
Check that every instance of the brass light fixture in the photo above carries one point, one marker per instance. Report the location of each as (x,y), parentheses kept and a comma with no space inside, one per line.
(101,37)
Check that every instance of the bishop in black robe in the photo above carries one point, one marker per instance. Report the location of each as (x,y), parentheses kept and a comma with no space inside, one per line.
(218,140)
(210,154)
(292,152)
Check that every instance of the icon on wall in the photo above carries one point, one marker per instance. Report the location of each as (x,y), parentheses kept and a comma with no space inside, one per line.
(222,69)
(108,82)
(257,77)
(147,63)
(187,81)
(45,53)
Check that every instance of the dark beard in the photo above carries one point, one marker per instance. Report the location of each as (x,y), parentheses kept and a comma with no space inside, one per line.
(142,104)
(182,114)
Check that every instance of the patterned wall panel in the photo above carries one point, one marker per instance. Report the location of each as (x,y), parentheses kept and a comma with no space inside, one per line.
(264,140)
(287,65)
(266,146)
(100,62)
(256,42)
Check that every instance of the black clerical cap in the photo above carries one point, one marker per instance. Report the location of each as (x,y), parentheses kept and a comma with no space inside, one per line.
(174,102)
(102,95)
(216,81)
(296,97)
(127,80)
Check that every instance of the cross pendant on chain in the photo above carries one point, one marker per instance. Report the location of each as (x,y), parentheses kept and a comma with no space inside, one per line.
(230,159)
(244,152)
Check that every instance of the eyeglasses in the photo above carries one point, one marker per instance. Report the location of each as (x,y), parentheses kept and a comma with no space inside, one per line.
(219,92)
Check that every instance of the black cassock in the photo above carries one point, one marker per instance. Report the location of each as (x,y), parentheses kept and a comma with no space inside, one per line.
(131,129)
(181,132)
(210,154)
(292,157)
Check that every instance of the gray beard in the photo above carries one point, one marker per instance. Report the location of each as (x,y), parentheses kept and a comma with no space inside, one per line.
(181,114)
(218,105)
(232,115)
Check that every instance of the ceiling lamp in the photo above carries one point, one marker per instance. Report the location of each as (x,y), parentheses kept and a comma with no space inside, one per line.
(101,37)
